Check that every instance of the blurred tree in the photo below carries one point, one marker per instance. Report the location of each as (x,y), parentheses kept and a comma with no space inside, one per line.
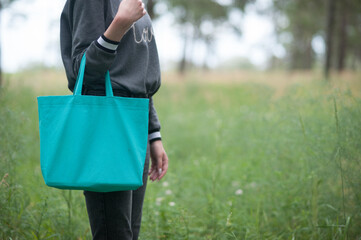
(343,33)
(3,4)
(200,20)
(348,35)
(342,43)
(298,22)
(331,10)
(197,19)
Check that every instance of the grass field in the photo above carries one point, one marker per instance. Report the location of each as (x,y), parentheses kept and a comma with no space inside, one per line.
(252,156)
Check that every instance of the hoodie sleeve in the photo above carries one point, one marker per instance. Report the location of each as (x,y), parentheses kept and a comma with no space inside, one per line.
(82,27)
(154,124)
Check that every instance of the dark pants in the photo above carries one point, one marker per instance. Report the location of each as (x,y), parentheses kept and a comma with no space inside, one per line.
(117,215)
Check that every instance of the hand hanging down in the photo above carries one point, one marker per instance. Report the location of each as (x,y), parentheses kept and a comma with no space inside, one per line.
(159,161)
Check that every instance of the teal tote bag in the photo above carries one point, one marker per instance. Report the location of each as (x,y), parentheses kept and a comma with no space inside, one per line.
(95,143)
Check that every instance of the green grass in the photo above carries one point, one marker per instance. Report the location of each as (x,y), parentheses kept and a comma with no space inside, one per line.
(245,163)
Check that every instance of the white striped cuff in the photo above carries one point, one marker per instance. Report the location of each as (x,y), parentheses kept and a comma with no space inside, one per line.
(155,135)
(106,43)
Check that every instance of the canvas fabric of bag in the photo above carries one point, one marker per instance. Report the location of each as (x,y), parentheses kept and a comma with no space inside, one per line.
(94,143)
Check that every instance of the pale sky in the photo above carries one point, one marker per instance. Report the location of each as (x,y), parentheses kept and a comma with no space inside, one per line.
(35,38)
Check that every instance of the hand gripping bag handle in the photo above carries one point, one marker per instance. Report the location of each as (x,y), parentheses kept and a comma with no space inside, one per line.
(79,81)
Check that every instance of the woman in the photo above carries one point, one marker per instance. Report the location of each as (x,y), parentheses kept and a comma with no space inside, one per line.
(117,35)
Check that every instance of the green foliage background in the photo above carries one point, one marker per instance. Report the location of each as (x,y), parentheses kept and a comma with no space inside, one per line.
(245,163)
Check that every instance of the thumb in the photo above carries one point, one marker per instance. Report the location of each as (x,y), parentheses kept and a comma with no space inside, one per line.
(159,166)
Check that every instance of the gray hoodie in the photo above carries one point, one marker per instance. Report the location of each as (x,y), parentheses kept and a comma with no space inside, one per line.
(133,62)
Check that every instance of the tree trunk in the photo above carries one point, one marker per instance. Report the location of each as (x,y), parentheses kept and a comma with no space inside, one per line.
(309,55)
(183,62)
(301,51)
(209,47)
(331,9)
(342,41)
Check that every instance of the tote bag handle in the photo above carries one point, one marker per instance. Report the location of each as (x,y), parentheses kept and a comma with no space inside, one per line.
(79,80)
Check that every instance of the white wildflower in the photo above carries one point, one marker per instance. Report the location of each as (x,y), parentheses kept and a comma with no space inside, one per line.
(239,192)
(165,184)
(168,192)
(172,204)
(158,201)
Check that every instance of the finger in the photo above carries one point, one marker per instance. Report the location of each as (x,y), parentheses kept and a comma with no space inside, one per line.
(151,169)
(163,173)
(160,171)
(164,166)
(153,174)
(159,166)
(140,4)
(144,11)
(153,177)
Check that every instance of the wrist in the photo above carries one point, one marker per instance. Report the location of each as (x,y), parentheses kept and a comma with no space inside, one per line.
(122,22)
(155,141)
(117,28)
